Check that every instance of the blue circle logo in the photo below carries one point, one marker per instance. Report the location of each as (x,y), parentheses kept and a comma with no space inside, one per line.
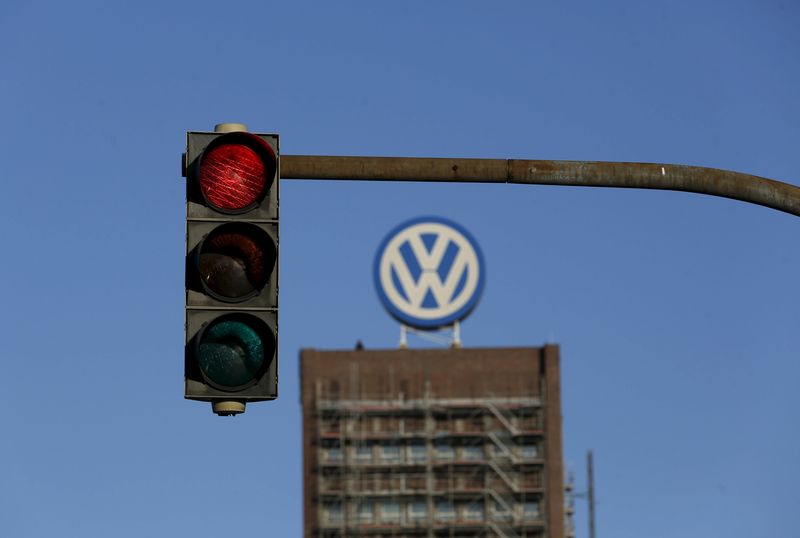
(429,273)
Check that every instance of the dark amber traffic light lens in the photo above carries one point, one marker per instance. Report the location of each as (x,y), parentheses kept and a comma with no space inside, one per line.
(234,351)
(236,171)
(235,261)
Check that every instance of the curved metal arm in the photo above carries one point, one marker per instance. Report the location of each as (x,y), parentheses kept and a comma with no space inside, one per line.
(747,188)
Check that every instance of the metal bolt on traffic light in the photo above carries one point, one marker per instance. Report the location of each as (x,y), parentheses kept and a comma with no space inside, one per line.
(231,354)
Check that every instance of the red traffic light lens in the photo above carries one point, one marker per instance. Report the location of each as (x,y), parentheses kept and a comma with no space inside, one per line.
(235,261)
(236,171)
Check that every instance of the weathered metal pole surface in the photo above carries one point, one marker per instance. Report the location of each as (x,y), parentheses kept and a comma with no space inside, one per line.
(712,181)
(590,473)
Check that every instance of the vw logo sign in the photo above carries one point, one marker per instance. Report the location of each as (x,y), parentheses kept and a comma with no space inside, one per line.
(429,273)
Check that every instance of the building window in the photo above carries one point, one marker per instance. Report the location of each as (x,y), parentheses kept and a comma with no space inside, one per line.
(529,451)
(390,453)
(444,452)
(472,453)
(332,482)
(386,482)
(365,512)
(471,481)
(415,482)
(529,420)
(530,510)
(476,424)
(417,511)
(445,511)
(499,451)
(442,424)
(473,512)
(531,479)
(351,425)
(416,452)
(362,453)
(332,453)
(330,425)
(501,512)
(390,512)
(332,513)
(413,424)
(365,482)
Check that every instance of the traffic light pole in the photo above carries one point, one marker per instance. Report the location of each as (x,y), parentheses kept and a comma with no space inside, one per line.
(712,181)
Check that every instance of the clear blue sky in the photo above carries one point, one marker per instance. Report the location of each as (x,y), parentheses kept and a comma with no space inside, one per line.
(677,314)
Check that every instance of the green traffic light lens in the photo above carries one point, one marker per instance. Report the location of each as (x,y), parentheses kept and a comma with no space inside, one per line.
(232,353)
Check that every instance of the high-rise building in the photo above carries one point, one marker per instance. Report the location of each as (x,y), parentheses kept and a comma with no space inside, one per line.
(432,443)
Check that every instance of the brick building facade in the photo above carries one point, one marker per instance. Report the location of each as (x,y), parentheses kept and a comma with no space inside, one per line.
(432,443)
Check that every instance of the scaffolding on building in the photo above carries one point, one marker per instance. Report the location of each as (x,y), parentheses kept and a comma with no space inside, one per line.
(430,467)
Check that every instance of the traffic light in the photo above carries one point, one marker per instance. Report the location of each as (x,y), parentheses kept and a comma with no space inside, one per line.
(231,354)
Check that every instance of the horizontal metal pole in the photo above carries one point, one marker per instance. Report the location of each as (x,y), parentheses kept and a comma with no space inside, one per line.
(747,188)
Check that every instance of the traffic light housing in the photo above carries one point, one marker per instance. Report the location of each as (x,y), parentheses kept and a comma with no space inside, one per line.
(231,343)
